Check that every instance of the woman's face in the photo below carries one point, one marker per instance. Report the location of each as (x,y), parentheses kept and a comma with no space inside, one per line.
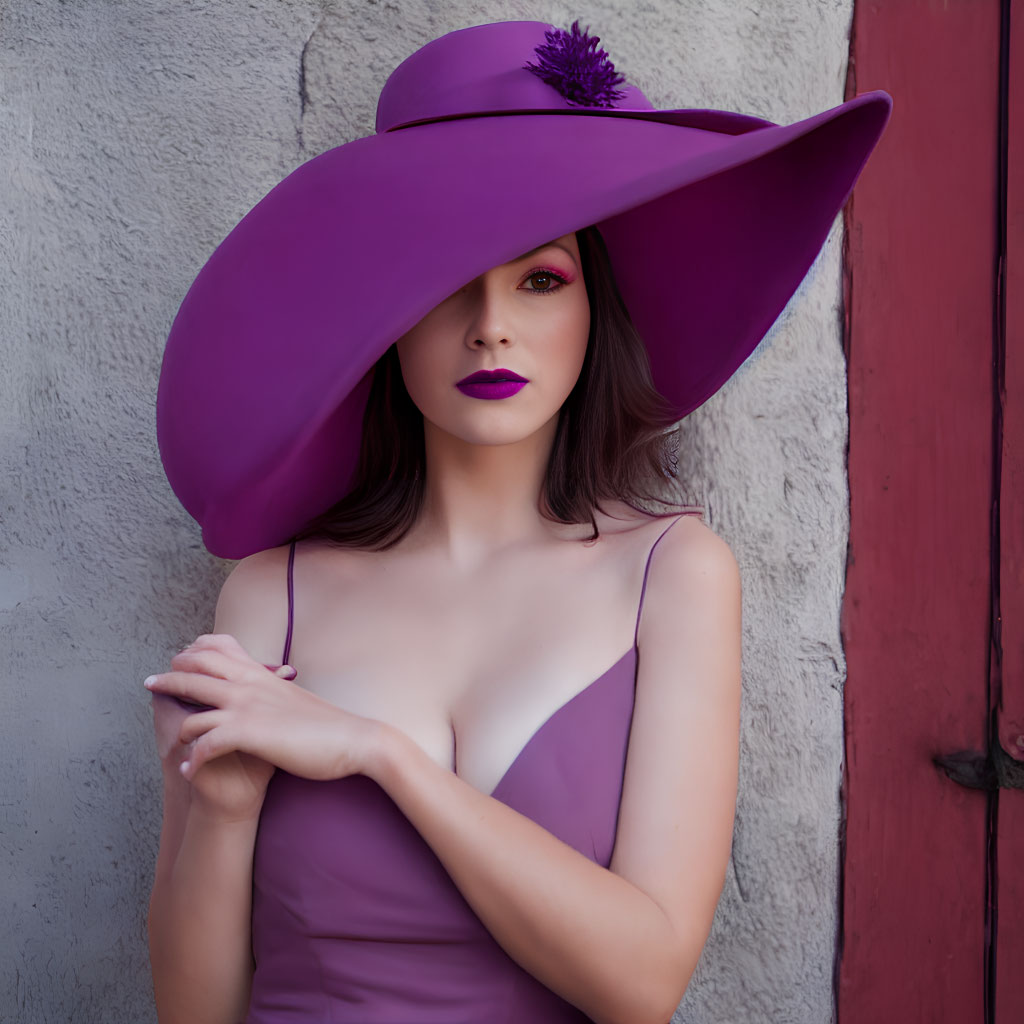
(530,317)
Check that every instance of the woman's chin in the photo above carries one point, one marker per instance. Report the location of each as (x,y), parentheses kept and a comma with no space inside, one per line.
(487,428)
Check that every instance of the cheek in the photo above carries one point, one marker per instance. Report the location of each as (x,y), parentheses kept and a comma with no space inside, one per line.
(572,333)
(421,361)
(582,326)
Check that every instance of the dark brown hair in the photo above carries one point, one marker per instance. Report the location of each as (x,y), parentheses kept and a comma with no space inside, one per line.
(613,437)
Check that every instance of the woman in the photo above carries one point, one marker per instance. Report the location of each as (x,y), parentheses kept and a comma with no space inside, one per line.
(469,804)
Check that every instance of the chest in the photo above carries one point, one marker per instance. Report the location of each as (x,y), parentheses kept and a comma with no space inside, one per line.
(473,671)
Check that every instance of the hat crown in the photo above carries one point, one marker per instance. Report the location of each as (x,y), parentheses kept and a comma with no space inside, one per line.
(481,70)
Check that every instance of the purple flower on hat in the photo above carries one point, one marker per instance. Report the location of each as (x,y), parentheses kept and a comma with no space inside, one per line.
(571,62)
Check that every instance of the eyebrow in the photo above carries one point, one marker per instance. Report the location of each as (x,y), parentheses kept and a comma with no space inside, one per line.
(546,245)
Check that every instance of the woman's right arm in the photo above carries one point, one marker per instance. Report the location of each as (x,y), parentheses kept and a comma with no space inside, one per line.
(200,909)
(199,919)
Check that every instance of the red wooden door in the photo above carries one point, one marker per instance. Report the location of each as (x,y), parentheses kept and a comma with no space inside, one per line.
(1008,645)
(932,925)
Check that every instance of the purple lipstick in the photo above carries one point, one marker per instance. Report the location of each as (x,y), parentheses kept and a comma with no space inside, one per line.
(499,383)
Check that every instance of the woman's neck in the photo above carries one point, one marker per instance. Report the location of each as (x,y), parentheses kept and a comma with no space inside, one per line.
(482,499)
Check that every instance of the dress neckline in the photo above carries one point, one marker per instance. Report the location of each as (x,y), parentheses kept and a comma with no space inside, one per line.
(556,714)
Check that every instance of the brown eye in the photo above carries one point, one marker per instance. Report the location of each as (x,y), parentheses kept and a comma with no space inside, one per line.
(545,282)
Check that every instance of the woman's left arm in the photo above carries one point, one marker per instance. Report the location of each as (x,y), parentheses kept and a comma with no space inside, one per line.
(619,943)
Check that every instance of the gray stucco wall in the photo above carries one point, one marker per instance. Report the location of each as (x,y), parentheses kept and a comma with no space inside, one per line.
(133,136)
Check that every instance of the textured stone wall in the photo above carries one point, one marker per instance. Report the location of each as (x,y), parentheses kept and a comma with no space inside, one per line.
(133,136)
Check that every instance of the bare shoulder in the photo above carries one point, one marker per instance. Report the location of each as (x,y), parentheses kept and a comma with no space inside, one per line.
(694,592)
(692,551)
(253,603)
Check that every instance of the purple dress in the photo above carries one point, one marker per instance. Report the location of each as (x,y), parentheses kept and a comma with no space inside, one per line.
(354,918)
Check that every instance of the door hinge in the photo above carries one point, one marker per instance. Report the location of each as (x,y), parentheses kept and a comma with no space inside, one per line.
(994,770)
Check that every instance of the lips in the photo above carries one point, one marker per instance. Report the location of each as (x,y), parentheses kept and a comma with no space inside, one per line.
(491,384)
(491,376)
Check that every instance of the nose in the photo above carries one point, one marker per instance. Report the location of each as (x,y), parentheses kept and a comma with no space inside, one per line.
(489,321)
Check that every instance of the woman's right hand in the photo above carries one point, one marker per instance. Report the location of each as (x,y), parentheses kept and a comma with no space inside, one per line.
(225,789)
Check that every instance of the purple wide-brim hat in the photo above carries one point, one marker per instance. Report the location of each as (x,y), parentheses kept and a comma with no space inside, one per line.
(711,221)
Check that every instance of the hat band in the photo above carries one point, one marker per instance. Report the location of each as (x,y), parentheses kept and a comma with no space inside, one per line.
(487,69)
(725,122)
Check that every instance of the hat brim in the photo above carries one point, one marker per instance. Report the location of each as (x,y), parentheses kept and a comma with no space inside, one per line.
(265,372)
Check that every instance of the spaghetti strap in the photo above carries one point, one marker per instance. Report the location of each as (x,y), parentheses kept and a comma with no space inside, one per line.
(647,569)
(291,605)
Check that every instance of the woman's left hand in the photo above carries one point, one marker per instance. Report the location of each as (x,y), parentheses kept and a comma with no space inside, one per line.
(256,711)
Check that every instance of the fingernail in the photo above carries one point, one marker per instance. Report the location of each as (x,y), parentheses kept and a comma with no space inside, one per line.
(149,681)
(288,671)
